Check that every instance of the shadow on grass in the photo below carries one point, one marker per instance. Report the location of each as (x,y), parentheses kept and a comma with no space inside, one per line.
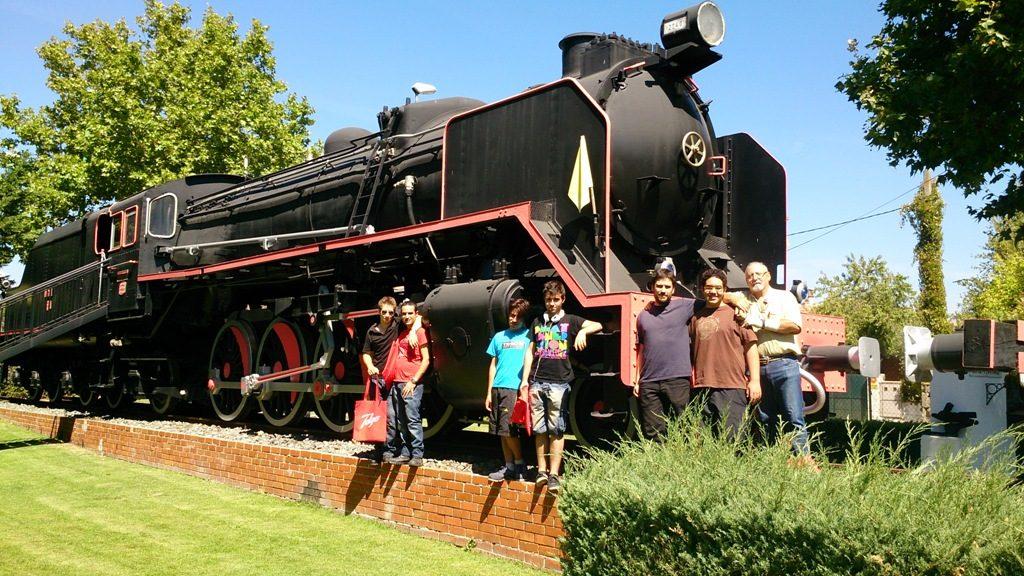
(26,443)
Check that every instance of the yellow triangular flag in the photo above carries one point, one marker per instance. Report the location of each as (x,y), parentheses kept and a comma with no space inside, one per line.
(581,187)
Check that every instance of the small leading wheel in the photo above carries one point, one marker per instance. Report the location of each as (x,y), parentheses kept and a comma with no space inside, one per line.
(438,416)
(336,410)
(123,386)
(156,380)
(162,404)
(82,380)
(31,382)
(115,396)
(231,358)
(282,347)
(53,384)
(601,411)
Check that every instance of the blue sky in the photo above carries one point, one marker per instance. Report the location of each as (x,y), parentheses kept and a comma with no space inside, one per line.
(776,82)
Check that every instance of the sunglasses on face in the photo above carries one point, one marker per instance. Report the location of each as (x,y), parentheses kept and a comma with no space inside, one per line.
(387,312)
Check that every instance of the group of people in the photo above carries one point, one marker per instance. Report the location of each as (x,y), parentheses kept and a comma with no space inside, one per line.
(724,350)
(396,355)
(532,365)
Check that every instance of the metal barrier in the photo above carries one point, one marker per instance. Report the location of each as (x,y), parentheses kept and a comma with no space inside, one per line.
(32,311)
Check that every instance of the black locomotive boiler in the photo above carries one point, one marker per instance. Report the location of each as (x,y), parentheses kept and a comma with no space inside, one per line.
(253,294)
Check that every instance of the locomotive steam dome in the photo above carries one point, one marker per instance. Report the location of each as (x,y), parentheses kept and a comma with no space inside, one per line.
(345,138)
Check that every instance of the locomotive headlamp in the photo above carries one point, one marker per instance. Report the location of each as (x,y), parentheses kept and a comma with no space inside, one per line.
(701,24)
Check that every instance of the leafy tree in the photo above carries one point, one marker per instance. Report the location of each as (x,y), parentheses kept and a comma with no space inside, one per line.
(924,213)
(998,291)
(943,86)
(136,107)
(875,302)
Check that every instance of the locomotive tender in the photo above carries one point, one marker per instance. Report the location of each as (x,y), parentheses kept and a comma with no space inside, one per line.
(193,289)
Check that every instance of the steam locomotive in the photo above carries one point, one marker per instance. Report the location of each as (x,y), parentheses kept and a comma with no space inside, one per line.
(252,294)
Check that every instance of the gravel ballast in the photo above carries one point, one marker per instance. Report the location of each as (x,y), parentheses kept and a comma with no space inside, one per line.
(442,453)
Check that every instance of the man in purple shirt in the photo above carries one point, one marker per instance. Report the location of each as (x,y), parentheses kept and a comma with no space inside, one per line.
(663,352)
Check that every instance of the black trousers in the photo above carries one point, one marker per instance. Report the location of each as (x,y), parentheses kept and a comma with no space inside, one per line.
(723,409)
(657,400)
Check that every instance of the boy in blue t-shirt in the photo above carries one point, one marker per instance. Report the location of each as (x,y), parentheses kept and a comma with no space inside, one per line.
(507,350)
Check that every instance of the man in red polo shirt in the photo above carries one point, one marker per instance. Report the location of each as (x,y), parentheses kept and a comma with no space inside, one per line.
(404,373)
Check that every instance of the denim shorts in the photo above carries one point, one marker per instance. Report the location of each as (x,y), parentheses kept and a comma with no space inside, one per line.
(549,406)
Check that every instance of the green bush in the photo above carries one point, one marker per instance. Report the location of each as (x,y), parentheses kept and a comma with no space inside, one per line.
(833,438)
(702,505)
(9,388)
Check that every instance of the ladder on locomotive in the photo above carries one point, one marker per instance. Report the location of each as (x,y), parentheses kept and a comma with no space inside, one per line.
(363,203)
(52,309)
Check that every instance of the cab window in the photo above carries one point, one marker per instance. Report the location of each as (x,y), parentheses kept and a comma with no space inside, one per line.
(161,221)
(116,229)
(130,227)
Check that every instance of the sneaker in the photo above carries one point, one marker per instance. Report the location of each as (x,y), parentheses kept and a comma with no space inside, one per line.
(417,461)
(397,459)
(554,484)
(499,475)
(382,457)
(516,472)
(542,477)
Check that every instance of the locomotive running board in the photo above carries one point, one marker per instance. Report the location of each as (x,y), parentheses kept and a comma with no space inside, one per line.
(629,303)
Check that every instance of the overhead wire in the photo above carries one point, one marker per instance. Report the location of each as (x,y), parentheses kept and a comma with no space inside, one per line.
(869,214)
(844,222)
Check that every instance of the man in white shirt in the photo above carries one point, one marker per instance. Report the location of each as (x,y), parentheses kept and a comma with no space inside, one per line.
(775,316)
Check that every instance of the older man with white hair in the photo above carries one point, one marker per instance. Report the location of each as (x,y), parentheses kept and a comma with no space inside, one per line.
(775,316)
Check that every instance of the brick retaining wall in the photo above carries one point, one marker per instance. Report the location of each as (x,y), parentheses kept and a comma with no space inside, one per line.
(513,520)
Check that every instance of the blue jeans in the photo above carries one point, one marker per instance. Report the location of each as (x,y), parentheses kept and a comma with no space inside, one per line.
(783,400)
(549,405)
(405,426)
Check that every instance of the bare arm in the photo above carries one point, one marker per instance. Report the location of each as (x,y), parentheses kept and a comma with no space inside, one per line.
(786,327)
(410,386)
(736,300)
(490,382)
(413,333)
(589,327)
(524,387)
(368,364)
(754,366)
(424,362)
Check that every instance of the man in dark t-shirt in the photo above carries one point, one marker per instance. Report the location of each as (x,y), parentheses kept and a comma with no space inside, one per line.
(663,351)
(379,337)
(547,375)
(726,368)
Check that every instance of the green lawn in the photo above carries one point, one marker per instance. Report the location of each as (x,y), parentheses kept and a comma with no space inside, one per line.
(64,510)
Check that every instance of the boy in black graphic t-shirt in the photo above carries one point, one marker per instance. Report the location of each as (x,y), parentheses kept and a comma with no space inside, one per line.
(547,374)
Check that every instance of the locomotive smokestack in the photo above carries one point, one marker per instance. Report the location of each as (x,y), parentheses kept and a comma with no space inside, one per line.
(573,46)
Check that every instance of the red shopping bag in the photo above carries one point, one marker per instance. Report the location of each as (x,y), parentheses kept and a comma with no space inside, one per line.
(370,422)
(520,423)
